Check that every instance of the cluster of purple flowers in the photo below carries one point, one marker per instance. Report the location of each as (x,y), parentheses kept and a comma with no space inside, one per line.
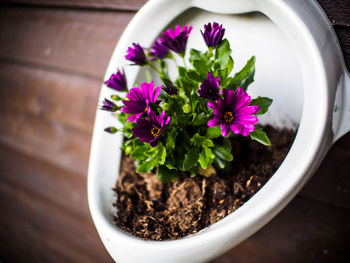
(231,109)
(174,40)
(139,105)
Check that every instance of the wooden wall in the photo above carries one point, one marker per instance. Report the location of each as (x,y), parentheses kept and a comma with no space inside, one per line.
(53,55)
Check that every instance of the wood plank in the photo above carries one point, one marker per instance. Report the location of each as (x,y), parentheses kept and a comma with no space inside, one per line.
(47,140)
(337,10)
(130,5)
(86,38)
(305,231)
(331,183)
(59,186)
(80,41)
(65,98)
(27,218)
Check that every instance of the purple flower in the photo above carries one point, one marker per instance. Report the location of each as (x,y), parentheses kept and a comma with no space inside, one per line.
(176,39)
(109,106)
(210,88)
(158,49)
(234,113)
(213,34)
(139,100)
(150,130)
(170,89)
(117,81)
(136,55)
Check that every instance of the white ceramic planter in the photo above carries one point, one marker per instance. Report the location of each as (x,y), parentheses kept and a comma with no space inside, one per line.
(299,65)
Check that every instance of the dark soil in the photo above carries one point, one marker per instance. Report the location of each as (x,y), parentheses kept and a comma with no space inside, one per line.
(149,209)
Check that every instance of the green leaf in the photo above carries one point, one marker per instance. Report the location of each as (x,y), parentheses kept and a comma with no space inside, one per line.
(197,55)
(148,164)
(156,155)
(170,140)
(162,154)
(259,135)
(193,75)
(170,166)
(139,151)
(182,72)
(224,151)
(213,132)
(244,77)
(263,103)
(206,158)
(199,62)
(187,85)
(201,119)
(223,73)
(229,65)
(191,158)
(220,163)
(222,54)
(193,172)
(171,162)
(201,141)
(226,82)
(166,175)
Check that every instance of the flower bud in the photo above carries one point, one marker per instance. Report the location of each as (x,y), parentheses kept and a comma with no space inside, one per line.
(166,106)
(128,150)
(109,106)
(116,98)
(170,89)
(186,108)
(111,130)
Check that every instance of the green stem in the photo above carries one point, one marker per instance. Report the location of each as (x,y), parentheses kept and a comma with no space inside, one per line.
(177,65)
(155,69)
(183,59)
(210,52)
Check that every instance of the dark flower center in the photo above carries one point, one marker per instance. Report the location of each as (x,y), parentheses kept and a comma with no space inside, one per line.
(228,117)
(212,92)
(155,131)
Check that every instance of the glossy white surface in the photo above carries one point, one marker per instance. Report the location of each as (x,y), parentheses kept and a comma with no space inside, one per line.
(299,65)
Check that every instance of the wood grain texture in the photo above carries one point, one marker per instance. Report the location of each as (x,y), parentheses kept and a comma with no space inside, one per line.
(62,40)
(331,183)
(65,98)
(49,182)
(38,228)
(338,11)
(305,231)
(53,57)
(50,141)
(129,5)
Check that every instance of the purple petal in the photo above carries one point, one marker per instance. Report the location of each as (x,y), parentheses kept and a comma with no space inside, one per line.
(214,122)
(236,128)
(137,117)
(167,121)
(156,93)
(225,130)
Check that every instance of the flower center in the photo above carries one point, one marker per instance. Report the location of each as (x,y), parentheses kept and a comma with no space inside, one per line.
(211,91)
(228,117)
(155,131)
